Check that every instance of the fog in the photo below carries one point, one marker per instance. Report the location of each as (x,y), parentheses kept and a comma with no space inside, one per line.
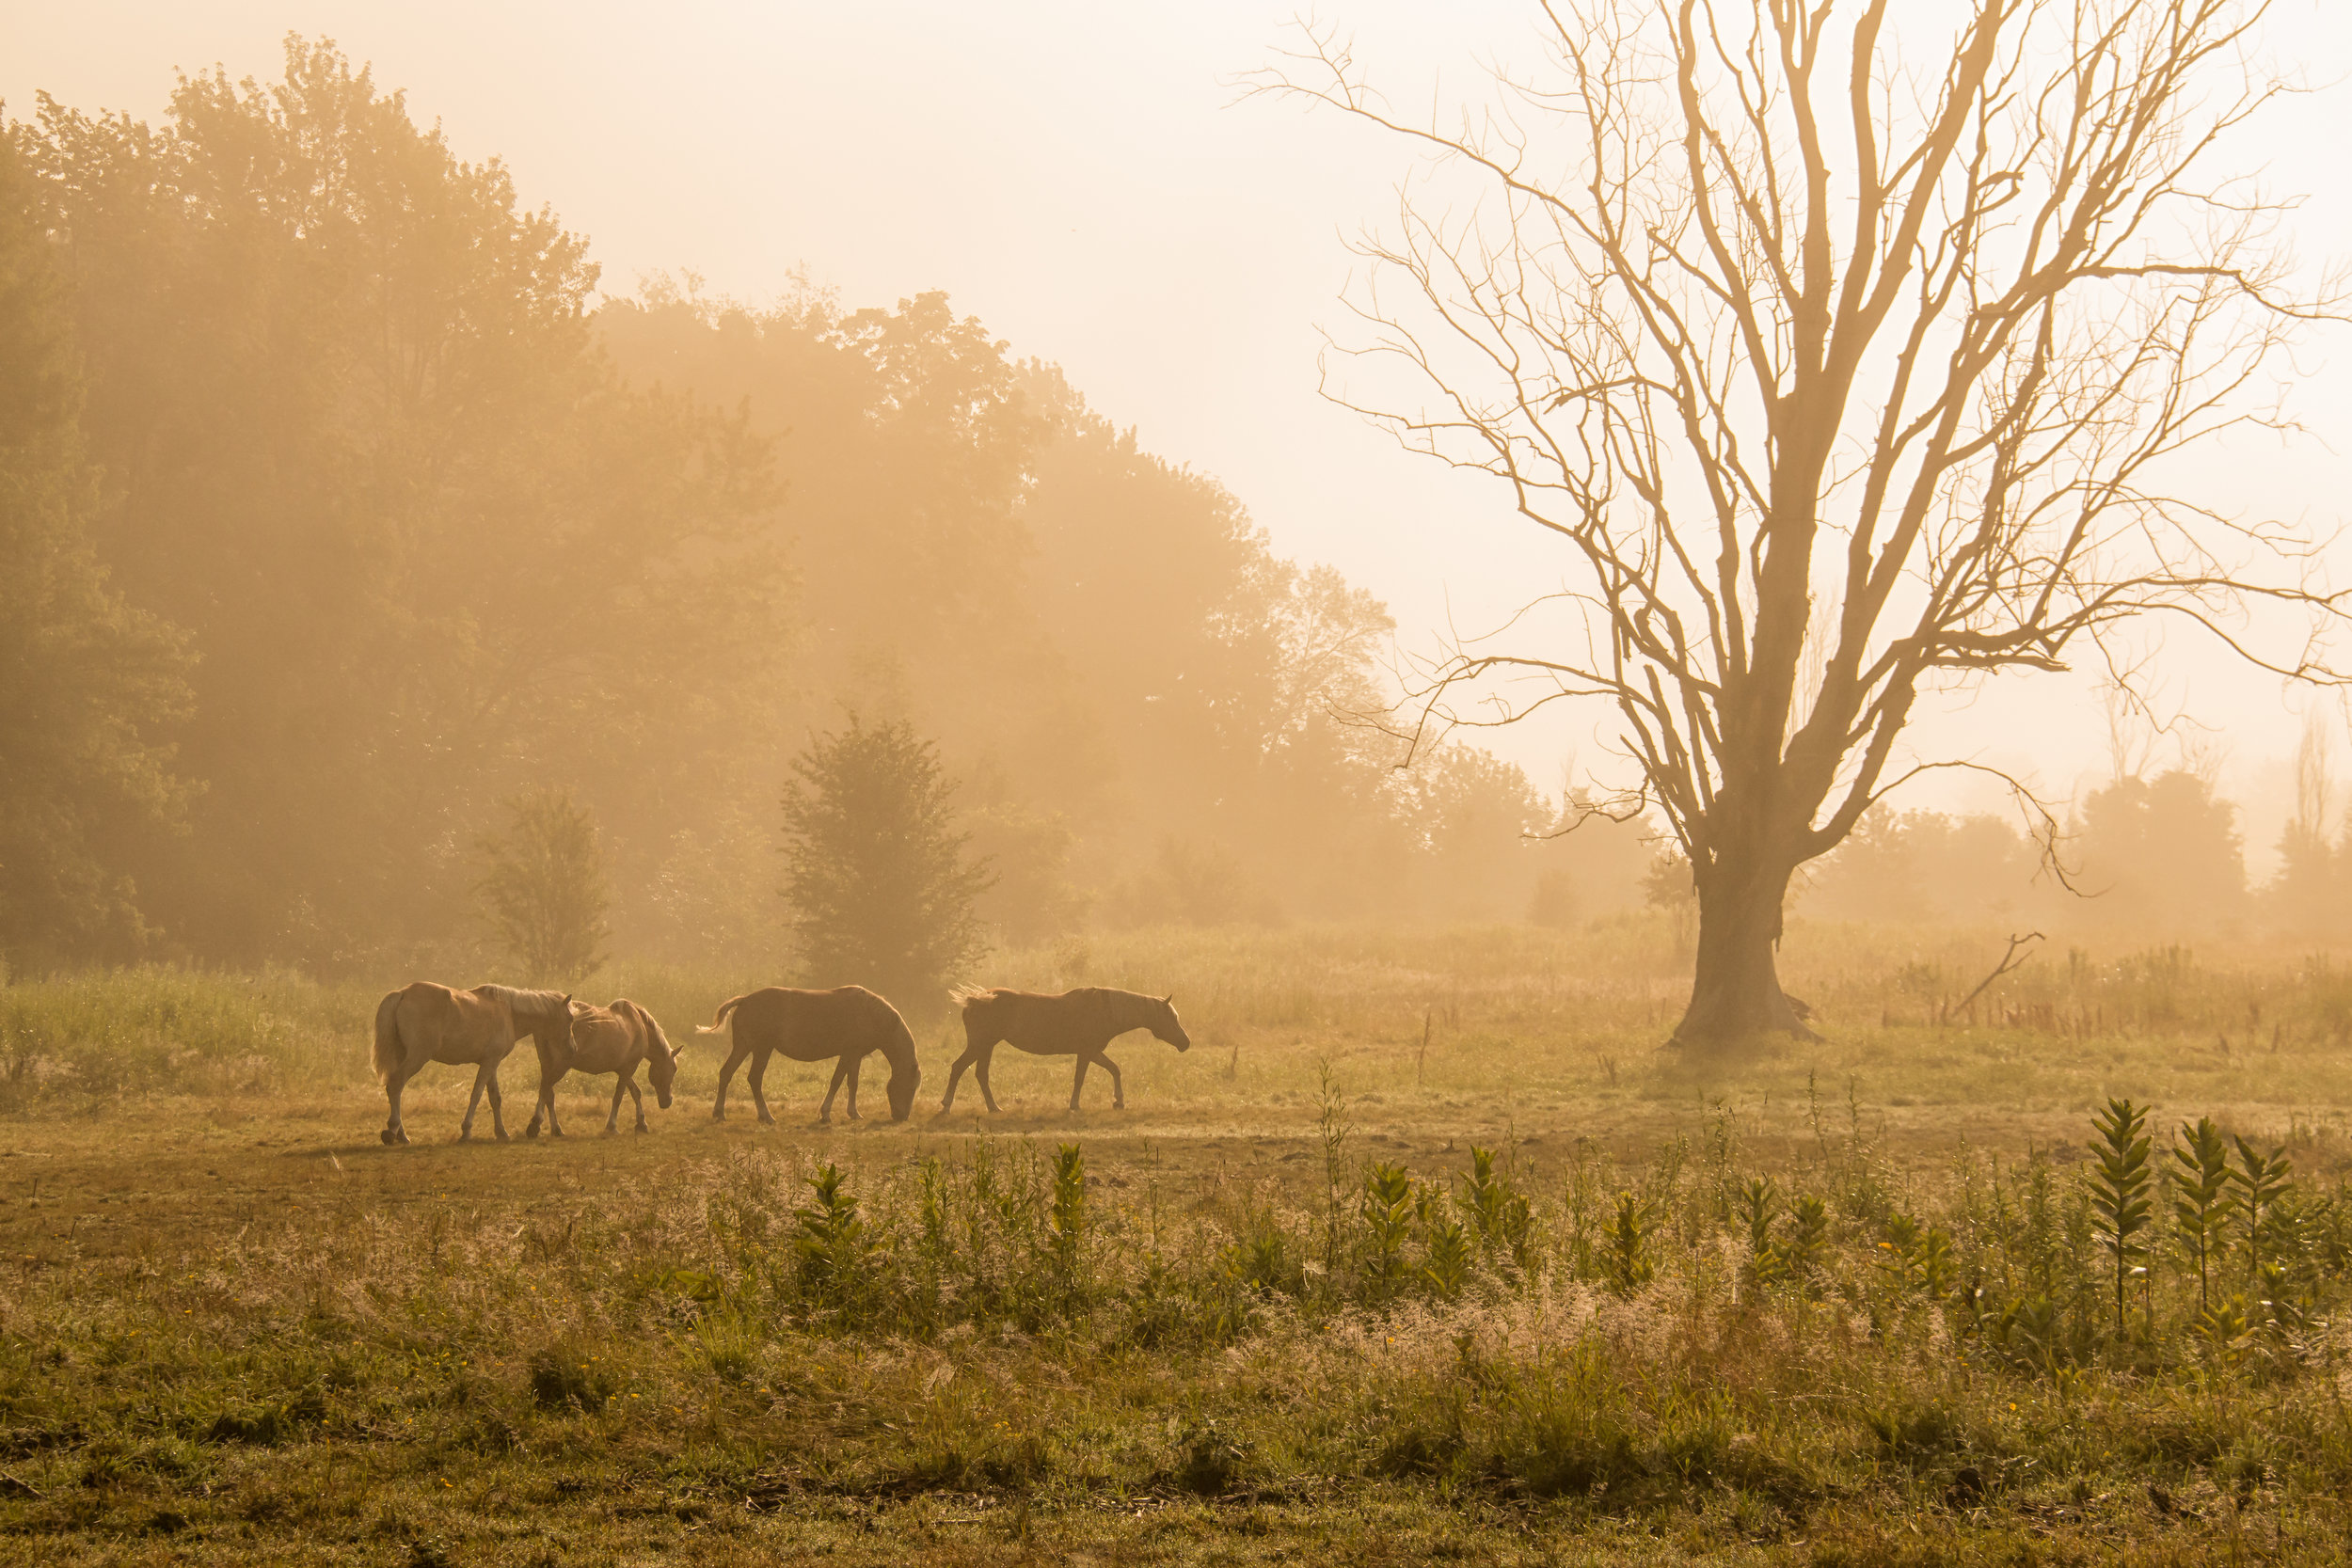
(876,285)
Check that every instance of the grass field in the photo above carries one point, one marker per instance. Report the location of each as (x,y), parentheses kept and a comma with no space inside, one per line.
(1848,1301)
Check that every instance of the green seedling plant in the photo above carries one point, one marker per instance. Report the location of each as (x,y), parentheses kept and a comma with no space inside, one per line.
(1066,1223)
(1625,1250)
(2202,1202)
(1799,1255)
(832,1244)
(2121,1181)
(1915,1257)
(1387,1215)
(1450,1255)
(2262,1180)
(1757,1206)
(1498,1211)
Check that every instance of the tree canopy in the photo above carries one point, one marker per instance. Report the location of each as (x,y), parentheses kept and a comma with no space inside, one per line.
(358,509)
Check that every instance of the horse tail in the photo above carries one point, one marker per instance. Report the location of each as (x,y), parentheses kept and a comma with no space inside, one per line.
(389,1054)
(719,1019)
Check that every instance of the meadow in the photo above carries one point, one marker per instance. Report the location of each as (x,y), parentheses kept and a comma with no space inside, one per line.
(1426,1251)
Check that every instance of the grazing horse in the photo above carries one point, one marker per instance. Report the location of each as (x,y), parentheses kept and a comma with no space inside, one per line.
(1080,1023)
(809,1026)
(424,1023)
(607,1040)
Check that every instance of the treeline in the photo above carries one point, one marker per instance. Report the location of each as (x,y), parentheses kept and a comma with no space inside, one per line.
(2163,854)
(337,508)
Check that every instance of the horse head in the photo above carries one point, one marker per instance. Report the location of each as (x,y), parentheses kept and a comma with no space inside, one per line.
(660,1059)
(1166,1025)
(906,1073)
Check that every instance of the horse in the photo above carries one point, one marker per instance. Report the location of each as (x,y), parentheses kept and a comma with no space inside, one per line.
(1080,1023)
(424,1023)
(607,1039)
(808,1026)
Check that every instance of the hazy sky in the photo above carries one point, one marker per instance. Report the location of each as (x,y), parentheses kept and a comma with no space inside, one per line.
(1080,176)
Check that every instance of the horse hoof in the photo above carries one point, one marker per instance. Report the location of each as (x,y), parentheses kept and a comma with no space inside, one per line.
(607,1132)
(502,1138)
(392,1137)
(465,1137)
(532,1131)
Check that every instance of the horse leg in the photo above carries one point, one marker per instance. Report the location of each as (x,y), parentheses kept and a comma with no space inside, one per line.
(636,1100)
(840,1071)
(393,1131)
(612,1119)
(988,1055)
(498,1121)
(727,1075)
(544,1107)
(1078,1081)
(1119,1086)
(473,1102)
(955,1076)
(759,1073)
(856,1063)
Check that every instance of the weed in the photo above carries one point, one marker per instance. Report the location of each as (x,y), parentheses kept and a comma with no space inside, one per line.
(2120,1186)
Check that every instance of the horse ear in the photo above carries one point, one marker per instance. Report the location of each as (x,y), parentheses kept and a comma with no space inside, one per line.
(1168,1001)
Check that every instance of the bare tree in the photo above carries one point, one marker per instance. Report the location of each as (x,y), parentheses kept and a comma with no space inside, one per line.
(1845,361)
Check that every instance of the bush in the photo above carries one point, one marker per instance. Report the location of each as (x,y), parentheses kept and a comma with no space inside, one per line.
(879,887)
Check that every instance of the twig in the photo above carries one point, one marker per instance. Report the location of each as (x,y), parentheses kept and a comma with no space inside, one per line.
(2010,960)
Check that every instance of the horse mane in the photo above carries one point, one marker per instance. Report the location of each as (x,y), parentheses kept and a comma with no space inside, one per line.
(1132,1003)
(537,1002)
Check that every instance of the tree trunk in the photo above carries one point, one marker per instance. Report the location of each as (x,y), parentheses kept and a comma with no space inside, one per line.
(1736,994)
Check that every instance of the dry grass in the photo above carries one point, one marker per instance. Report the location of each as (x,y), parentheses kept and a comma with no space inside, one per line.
(235,1328)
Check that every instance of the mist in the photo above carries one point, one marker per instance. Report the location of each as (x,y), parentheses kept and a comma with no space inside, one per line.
(399,506)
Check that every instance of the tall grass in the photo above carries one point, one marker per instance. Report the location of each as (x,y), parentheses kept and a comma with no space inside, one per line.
(1663,1339)
(1494,1015)
(1739,1328)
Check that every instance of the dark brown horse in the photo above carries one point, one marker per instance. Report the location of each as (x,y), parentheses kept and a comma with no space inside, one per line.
(424,1023)
(1080,1023)
(810,1026)
(607,1040)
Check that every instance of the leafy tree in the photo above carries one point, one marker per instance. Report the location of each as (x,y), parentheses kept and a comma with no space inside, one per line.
(544,891)
(360,445)
(2162,853)
(2310,893)
(1666,885)
(1923,866)
(1475,818)
(85,679)
(879,883)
